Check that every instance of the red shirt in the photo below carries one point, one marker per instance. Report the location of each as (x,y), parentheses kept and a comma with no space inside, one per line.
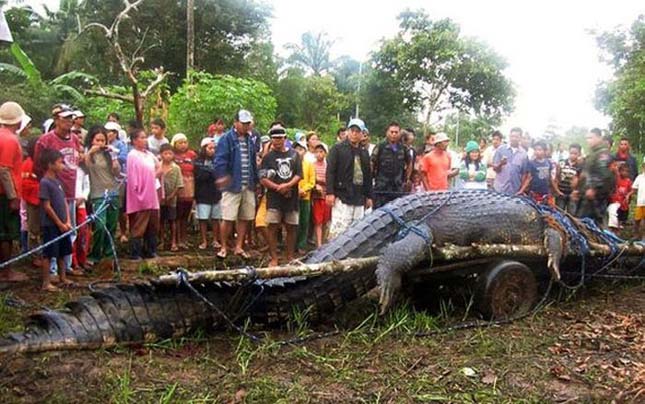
(11,157)
(623,186)
(70,148)
(436,166)
(185,162)
(30,184)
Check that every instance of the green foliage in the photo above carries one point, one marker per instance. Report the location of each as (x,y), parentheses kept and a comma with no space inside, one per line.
(204,96)
(469,127)
(430,67)
(623,97)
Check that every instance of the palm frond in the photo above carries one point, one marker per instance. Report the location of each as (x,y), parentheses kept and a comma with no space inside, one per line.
(73,93)
(74,76)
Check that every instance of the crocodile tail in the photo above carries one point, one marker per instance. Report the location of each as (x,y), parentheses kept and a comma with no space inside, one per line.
(123,315)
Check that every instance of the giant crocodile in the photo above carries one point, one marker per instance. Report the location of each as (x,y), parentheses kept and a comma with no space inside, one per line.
(401,234)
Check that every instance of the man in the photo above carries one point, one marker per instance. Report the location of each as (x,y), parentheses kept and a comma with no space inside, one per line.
(236,169)
(78,128)
(623,156)
(280,172)
(349,179)
(597,180)
(510,164)
(526,142)
(11,116)
(390,163)
(341,135)
(62,139)
(407,138)
(366,142)
(569,174)
(436,166)
(489,155)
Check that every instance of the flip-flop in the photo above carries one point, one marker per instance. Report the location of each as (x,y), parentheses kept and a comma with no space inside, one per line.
(243,254)
(50,288)
(221,254)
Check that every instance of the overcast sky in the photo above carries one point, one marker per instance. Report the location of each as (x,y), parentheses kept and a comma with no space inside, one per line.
(553,61)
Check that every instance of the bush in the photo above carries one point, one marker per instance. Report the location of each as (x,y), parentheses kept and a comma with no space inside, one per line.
(204,96)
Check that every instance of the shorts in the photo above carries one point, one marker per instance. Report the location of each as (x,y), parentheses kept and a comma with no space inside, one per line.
(184,207)
(639,213)
(261,216)
(342,215)
(9,221)
(167,213)
(276,216)
(59,249)
(238,205)
(612,213)
(320,211)
(207,211)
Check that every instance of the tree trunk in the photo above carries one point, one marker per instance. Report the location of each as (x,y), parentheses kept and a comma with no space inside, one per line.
(139,102)
(190,36)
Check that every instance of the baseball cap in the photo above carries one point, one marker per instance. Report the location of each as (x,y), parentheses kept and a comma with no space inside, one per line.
(277,131)
(299,136)
(205,141)
(302,143)
(112,126)
(62,111)
(358,123)
(79,114)
(11,113)
(244,116)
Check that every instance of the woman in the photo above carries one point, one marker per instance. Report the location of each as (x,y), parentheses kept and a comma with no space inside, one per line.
(103,171)
(473,170)
(142,199)
(184,157)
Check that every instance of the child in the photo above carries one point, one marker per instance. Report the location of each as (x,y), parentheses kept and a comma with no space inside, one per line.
(321,212)
(207,195)
(172,182)
(619,200)
(81,243)
(473,170)
(639,212)
(539,182)
(305,186)
(54,217)
(417,182)
(184,158)
(30,198)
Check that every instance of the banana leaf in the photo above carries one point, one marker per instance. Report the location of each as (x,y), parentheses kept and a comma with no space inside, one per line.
(30,69)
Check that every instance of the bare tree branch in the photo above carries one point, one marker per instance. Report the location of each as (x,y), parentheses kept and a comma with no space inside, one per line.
(161,76)
(101,92)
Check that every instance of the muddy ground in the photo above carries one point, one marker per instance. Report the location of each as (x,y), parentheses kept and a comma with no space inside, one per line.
(587,347)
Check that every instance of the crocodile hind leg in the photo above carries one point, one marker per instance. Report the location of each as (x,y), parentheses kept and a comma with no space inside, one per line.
(554,246)
(398,258)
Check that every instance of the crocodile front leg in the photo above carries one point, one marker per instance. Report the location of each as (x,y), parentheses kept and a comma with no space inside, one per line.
(398,258)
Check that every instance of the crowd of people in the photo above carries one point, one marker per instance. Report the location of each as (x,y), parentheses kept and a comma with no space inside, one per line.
(245,190)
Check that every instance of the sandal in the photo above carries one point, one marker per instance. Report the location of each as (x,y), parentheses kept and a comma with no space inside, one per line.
(203,246)
(221,254)
(174,248)
(50,288)
(243,254)
(76,272)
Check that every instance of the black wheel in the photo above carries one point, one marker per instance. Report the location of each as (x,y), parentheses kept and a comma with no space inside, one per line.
(507,289)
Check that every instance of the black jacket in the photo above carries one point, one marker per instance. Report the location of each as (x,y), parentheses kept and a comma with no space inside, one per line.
(340,174)
(205,190)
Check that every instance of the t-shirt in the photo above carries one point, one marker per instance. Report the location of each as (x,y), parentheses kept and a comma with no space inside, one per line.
(101,175)
(11,157)
(286,165)
(154,144)
(540,176)
(509,179)
(51,189)
(70,148)
(568,172)
(185,162)
(172,180)
(436,166)
(30,183)
(623,186)
(320,168)
(639,184)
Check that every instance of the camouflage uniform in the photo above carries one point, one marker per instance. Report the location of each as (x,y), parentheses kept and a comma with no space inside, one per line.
(596,175)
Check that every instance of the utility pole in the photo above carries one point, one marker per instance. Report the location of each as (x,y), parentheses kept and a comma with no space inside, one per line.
(190,36)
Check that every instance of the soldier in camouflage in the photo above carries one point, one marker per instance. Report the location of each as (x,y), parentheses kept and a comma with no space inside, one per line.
(597,180)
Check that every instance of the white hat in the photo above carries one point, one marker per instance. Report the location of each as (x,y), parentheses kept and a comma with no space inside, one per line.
(79,114)
(440,137)
(244,116)
(11,113)
(178,137)
(26,120)
(112,126)
(302,143)
(205,141)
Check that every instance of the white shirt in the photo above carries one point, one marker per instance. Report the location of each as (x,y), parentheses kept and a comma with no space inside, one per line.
(639,184)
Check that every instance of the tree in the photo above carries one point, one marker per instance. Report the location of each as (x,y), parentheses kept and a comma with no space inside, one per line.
(312,54)
(623,97)
(462,127)
(431,68)
(204,96)
(129,63)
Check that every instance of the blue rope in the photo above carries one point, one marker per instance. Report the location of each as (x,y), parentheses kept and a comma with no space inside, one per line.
(91,218)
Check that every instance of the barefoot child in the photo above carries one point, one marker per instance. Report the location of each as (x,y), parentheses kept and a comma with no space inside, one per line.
(207,196)
(54,217)
(172,182)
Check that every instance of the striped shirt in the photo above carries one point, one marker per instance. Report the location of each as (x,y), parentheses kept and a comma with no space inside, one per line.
(244,152)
